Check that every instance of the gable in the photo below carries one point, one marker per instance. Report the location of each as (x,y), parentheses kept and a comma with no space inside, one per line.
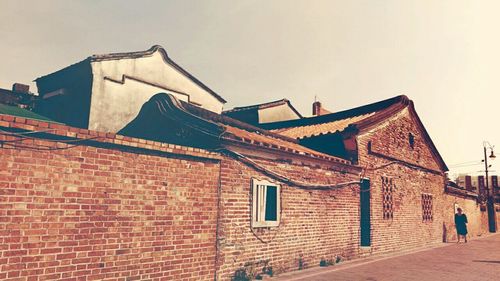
(400,137)
(264,113)
(122,84)
(281,112)
(158,69)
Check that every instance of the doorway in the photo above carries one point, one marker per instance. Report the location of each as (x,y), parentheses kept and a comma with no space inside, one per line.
(364,217)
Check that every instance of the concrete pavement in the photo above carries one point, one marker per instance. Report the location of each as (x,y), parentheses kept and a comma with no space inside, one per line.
(477,260)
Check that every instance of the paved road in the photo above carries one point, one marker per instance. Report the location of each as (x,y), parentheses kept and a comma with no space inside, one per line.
(478,260)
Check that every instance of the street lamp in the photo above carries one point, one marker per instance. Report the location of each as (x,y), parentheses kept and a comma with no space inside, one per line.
(492,222)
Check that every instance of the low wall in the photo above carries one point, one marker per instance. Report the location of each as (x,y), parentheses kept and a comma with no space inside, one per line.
(478,220)
(104,210)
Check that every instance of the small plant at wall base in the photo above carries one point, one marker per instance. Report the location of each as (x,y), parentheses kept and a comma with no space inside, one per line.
(250,271)
(326,262)
(241,275)
(268,270)
(338,259)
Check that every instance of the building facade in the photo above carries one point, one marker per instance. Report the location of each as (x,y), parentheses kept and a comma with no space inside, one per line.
(239,200)
(142,185)
(105,92)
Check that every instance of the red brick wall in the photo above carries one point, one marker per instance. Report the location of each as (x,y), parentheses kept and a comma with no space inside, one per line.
(407,229)
(314,224)
(317,225)
(88,213)
(142,210)
(392,138)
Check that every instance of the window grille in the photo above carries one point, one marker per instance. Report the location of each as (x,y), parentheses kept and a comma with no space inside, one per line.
(426,207)
(387,198)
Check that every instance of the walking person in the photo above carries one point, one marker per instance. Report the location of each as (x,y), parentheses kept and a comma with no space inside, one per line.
(461,224)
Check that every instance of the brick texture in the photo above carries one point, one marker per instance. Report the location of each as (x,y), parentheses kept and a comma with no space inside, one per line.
(407,229)
(318,225)
(314,224)
(120,208)
(90,213)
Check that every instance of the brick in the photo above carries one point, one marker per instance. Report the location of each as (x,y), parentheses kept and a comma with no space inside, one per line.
(113,213)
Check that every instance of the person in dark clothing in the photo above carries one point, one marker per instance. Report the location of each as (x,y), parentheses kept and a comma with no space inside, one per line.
(461,225)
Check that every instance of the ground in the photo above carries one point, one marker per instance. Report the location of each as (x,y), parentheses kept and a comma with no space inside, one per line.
(478,259)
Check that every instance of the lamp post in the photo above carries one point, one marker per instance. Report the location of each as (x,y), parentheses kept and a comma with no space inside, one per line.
(490,202)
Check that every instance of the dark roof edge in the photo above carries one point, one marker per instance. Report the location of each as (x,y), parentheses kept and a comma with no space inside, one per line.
(337,115)
(294,109)
(126,55)
(87,60)
(382,115)
(434,149)
(264,105)
(233,122)
(260,105)
(171,108)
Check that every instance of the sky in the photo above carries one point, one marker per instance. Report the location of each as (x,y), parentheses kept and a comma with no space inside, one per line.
(444,55)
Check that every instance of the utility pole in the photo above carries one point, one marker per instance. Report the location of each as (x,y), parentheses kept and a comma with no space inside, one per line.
(490,201)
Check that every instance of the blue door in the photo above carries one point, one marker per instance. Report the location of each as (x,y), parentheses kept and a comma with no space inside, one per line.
(364,205)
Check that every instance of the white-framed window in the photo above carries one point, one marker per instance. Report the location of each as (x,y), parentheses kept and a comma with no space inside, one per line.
(266,203)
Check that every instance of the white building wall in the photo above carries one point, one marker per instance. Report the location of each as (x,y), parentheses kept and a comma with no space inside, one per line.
(115,104)
(277,113)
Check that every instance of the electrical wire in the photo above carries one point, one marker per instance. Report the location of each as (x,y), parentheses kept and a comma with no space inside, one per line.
(285,179)
(44,148)
(23,136)
(29,132)
(462,163)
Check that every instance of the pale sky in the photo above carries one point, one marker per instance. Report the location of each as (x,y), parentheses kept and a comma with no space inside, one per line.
(444,55)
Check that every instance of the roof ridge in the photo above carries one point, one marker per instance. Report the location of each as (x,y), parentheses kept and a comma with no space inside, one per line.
(360,110)
(259,105)
(99,57)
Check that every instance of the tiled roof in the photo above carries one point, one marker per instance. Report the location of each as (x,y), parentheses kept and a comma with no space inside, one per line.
(20,112)
(331,123)
(255,139)
(322,128)
(357,119)
(218,128)
(247,134)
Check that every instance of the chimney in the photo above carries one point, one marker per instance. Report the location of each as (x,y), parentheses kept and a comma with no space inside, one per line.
(318,109)
(21,88)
